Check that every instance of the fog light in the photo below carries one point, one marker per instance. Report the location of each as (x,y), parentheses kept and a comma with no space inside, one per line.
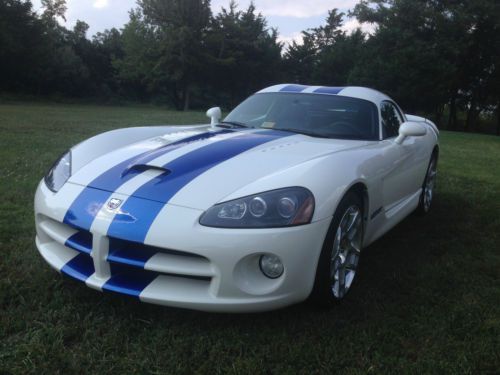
(271,266)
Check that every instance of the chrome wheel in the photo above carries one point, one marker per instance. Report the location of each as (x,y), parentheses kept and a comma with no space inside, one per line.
(345,251)
(430,183)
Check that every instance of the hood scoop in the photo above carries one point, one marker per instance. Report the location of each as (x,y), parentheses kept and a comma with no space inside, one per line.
(141,168)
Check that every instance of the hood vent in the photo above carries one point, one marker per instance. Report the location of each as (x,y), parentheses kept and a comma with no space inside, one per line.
(140,168)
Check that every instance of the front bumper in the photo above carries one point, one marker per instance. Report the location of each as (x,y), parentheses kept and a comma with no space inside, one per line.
(180,263)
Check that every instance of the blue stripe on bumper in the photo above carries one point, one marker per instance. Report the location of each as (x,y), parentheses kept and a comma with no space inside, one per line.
(131,255)
(80,267)
(129,283)
(80,241)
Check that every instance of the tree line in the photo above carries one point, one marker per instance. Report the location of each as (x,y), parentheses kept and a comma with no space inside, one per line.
(439,58)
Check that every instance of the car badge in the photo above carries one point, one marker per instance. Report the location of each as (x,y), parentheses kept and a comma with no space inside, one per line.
(114,203)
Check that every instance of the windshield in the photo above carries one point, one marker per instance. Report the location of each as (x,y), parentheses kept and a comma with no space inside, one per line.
(327,116)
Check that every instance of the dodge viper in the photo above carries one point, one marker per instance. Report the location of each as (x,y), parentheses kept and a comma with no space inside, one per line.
(265,208)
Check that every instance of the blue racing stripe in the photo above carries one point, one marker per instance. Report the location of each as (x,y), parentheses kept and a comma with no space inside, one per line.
(136,217)
(115,177)
(151,155)
(80,241)
(80,267)
(329,90)
(85,207)
(140,210)
(189,166)
(129,253)
(130,283)
(294,88)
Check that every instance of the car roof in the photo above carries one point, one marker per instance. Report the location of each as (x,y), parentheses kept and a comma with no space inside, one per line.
(351,91)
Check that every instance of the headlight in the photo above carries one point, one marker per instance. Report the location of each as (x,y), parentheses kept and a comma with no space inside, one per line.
(277,208)
(59,173)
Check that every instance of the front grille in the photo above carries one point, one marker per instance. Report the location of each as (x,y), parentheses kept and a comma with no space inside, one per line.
(124,255)
(81,241)
(129,266)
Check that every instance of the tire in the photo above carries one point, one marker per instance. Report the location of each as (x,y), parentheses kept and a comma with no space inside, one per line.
(428,186)
(339,257)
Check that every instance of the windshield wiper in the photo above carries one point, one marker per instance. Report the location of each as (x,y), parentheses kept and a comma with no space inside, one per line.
(232,124)
(305,132)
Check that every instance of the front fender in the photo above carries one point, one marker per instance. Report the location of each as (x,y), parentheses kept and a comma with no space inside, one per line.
(328,178)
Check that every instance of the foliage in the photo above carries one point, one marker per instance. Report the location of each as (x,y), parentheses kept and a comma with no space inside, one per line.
(21,46)
(136,68)
(312,59)
(241,45)
(439,58)
(434,54)
(179,27)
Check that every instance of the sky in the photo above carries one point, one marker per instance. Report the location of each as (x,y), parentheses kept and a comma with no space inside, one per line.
(289,16)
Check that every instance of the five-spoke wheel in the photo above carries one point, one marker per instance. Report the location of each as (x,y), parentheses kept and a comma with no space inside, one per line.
(339,257)
(345,251)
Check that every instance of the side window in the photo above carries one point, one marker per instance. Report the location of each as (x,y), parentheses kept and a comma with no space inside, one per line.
(391,120)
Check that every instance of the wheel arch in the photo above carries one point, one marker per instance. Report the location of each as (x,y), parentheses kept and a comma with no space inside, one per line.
(360,189)
(435,151)
(319,290)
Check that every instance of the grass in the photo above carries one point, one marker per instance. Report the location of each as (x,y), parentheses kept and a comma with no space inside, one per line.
(427,299)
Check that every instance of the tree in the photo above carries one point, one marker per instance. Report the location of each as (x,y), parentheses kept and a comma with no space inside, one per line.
(432,53)
(138,70)
(327,35)
(433,56)
(327,53)
(300,60)
(53,9)
(180,26)
(404,53)
(337,52)
(336,62)
(22,45)
(108,48)
(482,54)
(244,54)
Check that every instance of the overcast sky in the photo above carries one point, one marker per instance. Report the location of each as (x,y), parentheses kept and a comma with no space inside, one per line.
(289,16)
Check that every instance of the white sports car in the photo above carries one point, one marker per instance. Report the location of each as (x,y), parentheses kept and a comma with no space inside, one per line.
(259,211)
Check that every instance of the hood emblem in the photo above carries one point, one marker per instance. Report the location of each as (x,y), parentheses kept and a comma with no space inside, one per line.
(114,203)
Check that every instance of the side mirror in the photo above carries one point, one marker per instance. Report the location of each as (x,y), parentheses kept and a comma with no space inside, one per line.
(215,115)
(410,129)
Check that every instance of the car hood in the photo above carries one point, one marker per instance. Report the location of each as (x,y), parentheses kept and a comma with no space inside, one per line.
(200,169)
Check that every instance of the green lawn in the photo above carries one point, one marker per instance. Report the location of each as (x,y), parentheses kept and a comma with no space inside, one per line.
(427,299)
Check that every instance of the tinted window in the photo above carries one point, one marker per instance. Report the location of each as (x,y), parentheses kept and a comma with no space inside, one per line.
(391,120)
(329,116)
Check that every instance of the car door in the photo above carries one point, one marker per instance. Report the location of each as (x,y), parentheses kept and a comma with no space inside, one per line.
(399,180)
